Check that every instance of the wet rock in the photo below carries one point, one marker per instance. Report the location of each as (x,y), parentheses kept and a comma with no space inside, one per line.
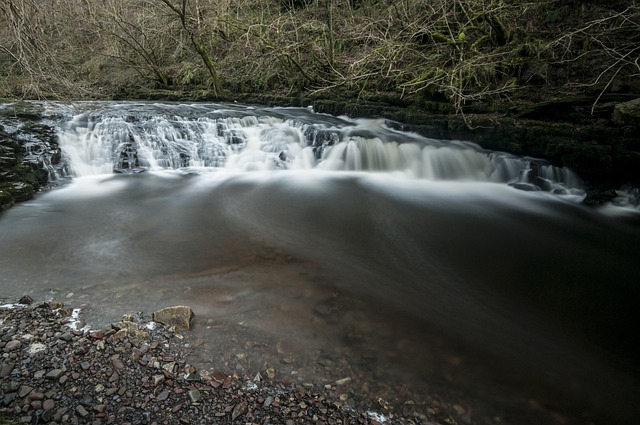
(25,299)
(527,187)
(97,334)
(180,316)
(598,196)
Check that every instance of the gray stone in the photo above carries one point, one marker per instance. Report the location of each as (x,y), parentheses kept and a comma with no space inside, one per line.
(10,387)
(48,404)
(82,411)
(54,374)
(6,369)
(268,401)
(66,336)
(24,390)
(194,396)
(36,395)
(47,416)
(163,395)
(12,345)
(180,316)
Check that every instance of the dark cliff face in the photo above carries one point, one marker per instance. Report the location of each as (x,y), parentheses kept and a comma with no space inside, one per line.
(28,148)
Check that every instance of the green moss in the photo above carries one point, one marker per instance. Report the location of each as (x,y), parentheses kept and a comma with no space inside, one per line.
(6,199)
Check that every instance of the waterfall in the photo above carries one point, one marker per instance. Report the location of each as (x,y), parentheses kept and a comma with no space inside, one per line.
(111,138)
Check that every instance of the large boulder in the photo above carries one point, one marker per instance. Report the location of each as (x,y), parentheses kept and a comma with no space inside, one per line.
(179,316)
(627,113)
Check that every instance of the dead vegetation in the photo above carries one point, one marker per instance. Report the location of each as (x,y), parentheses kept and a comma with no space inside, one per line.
(459,52)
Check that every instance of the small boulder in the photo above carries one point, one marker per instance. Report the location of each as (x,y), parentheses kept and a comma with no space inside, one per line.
(180,316)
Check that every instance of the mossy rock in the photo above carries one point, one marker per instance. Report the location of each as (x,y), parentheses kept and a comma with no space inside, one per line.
(627,113)
(6,200)
(19,191)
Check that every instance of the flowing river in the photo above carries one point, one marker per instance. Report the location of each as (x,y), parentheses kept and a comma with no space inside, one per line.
(331,249)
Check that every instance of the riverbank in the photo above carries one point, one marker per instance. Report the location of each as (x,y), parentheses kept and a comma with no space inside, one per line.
(55,370)
(138,372)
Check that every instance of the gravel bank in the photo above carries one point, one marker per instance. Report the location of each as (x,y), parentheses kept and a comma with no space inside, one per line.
(137,372)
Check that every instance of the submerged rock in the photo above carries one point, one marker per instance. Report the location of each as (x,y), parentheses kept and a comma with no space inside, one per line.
(598,196)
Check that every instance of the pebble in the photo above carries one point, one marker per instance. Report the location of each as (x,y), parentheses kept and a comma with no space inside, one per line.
(24,390)
(12,345)
(82,411)
(194,396)
(104,377)
(66,336)
(54,374)
(6,369)
(48,404)
(158,379)
(35,395)
(117,363)
(163,395)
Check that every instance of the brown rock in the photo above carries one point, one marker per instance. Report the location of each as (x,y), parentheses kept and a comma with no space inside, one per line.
(180,316)
(35,395)
(6,369)
(12,345)
(25,299)
(117,363)
(48,404)
(97,334)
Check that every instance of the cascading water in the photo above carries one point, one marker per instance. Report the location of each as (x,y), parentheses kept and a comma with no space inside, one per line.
(351,249)
(212,136)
